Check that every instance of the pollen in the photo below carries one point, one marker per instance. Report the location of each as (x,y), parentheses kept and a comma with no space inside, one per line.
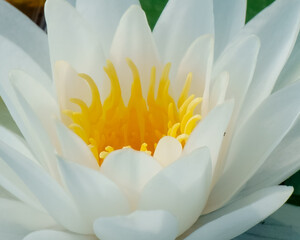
(142,122)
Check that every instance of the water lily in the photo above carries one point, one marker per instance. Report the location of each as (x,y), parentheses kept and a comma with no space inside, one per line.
(180,133)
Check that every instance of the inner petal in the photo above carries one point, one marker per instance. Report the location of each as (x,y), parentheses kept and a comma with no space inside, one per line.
(139,125)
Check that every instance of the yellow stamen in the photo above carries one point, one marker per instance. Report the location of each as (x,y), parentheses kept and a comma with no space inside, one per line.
(139,125)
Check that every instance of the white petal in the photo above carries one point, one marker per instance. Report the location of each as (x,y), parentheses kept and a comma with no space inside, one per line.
(50,194)
(57,235)
(197,60)
(281,164)
(291,71)
(18,219)
(255,141)
(8,179)
(180,24)
(95,195)
(133,39)
(14,57)
(181,188)
(229,19)
(283,225)
(276,47)
(41,100)
(142,225)
(32,129)
(72,40)
(21,30)
(218,90)
(236,218)
(239,61)
(69,85)
(74,149)
(104,17)
(167,150)
(131,170)
(210,131)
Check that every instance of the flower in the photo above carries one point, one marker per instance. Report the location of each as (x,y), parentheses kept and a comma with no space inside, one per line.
(184,132)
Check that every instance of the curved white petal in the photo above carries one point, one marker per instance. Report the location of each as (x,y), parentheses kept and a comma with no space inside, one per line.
(282,163)
(50,194)
(14,57)
(218,90)
(284,224)
(74,149)
(239,216)
(276,46)
(198,60)
(104,17)
(255,141)
(57,235)
(95,195)
(180,23)
(17,220)
(131,170)
(181,188)
(71,39)
(8,178)
(40,99)
(291,71)
(133,39)
(239,61)
(210,131)
(229,20)
(167,150)
(69,85)
(142,225)
(21,30)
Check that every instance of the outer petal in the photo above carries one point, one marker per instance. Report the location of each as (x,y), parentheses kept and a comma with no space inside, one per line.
(182,15)
(14,224)
(239,216)
(255,141)
(74,149)
(8,178)
(131,170)
(210,131)
(133,39)
(229,19)
(40,100)
(291,71)
(218,90)
(281,164)
(95,195)
(276,47)
(57,235)
(19,29)
(104,17)
(13,57)
(142,225)
(48,192)
(72,40)
(181,188)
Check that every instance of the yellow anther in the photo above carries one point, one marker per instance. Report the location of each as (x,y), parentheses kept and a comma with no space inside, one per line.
(174,130)
(109,148)
(185,90)
(182,138)
(184,106)
(191,124)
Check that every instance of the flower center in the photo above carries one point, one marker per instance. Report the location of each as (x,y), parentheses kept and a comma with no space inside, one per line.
(139,125)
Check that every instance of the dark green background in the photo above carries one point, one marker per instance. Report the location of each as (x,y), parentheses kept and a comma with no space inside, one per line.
(153,8)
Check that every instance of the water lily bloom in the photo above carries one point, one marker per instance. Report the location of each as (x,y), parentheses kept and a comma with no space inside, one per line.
(180,133)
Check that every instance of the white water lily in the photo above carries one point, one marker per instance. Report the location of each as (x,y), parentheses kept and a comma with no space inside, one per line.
(123,145)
